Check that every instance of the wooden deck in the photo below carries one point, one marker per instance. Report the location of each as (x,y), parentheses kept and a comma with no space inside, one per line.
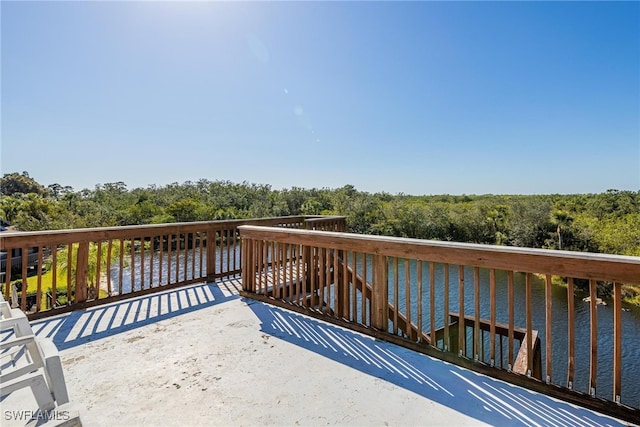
(201,355)
(405,291)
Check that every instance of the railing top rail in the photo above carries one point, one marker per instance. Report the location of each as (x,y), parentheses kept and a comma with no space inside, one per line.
(325,218)
(13,239)
(545,261)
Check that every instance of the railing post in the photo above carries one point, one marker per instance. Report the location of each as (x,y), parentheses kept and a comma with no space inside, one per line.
(82,263)
(211,254)
(248,275)
(380,294)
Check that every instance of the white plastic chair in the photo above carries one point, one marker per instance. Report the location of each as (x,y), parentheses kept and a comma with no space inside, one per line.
(22,353)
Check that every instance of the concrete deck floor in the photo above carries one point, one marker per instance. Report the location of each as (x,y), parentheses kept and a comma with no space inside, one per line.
(201,355)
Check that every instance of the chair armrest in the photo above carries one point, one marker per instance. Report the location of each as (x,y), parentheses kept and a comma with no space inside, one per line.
(18,322)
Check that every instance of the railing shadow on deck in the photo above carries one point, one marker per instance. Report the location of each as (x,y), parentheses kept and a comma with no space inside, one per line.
(83,326)
(478,396)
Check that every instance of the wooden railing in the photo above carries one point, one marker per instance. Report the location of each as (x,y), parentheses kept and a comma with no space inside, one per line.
(99,265)
(327,223)
(413,292)
(16,260)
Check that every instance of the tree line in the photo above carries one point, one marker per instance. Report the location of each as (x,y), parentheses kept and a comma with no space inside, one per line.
(607,222)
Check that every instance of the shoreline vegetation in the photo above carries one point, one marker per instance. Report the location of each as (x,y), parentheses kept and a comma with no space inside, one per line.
(607,222)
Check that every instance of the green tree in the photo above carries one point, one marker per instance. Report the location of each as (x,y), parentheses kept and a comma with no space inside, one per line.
(562,220)
(185,210)
(15,183)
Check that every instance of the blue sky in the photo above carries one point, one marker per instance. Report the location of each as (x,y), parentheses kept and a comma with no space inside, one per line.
(412,97)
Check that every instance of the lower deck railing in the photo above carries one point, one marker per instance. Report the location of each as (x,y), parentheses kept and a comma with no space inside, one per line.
(83,267)
(414,293)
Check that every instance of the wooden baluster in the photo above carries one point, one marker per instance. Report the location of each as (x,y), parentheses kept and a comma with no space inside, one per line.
(492,324)
(365,301)
(327,277)
(39,284)
(54,274)
(419,300)
(268,265)
(345,286)
(396,302)
(284,270)
(25,263)
(306,273)
(315,276)
(81,272)
(258,259)
(260,266)
(240,254)
(571,333)
(275,277)
(462,332)
(338,286)
(253,254)
(548,329)
(384,292)
(529,310)
(152,249)
(476,323)
(69,268)
(193,254)
(290,260)
(354,299)
(251,257)
(233,233)
(7,278)
(185,261)
(239,260)
(298,253)
(617,342)
(432,303)
(201,254)
(274,266)
(447,337)
(228,249)
(510,296)
(160,256)
(132,245)
(178,252)
(321,280)
(121,268)
(407,294)
(211,254)
(98,264)
(169,260)
(593,314)
(108,266)
(142,263)
(246,273)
